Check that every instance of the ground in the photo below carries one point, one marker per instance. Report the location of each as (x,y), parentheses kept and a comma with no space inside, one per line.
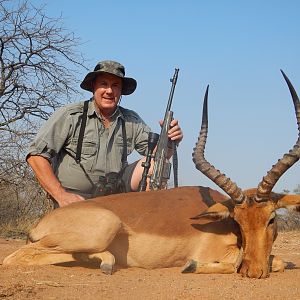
(87,282)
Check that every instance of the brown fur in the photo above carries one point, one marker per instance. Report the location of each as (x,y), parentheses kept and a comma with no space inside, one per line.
(156,229)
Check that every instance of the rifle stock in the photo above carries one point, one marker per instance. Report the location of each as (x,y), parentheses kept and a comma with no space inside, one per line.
(162,167)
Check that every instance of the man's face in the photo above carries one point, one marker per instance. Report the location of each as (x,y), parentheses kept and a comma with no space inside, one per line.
(107,92)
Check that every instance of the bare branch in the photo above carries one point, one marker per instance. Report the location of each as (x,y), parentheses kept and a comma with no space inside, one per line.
(39,63)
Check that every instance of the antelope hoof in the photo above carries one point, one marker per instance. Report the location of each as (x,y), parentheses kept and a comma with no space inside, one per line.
(107,269)
(190,267)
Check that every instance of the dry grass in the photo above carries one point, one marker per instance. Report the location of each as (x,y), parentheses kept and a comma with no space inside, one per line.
(20,208)
(17,229)
(288,220)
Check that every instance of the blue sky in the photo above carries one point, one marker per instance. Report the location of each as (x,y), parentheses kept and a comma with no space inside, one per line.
(237,47)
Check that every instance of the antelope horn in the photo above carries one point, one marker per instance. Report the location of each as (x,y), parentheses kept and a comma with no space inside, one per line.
(268,182)
(209,170)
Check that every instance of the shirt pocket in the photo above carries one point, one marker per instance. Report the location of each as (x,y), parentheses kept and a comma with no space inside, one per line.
(119,144)
(88,154)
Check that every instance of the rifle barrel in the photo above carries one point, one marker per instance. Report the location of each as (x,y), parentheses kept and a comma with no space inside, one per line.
(173,80)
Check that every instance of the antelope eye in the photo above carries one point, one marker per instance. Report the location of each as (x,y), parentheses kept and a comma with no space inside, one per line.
(272,220)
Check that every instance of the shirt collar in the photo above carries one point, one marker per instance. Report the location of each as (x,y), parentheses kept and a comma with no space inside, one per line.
(92,111)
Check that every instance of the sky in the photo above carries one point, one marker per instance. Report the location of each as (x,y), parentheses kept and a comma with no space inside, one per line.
(237,47)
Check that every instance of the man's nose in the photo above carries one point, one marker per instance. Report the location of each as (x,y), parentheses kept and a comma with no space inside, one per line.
(109,90)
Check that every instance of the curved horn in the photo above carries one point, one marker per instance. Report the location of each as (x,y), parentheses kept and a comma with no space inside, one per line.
(209,170)
(266,185)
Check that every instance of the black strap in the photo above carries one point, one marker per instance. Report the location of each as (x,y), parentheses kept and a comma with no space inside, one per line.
(175,164)
(124,136)
(81,132)
(81,135)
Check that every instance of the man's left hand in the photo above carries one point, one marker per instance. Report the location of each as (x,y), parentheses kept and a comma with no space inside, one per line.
(175,133)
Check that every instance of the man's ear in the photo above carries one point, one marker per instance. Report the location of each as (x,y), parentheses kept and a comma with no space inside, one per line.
(216,212)
(291,202)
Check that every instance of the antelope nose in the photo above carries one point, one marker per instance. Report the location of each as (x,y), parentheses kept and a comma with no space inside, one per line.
(253,271)
(255,274)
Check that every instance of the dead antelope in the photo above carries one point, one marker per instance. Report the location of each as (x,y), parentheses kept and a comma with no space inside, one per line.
(185,226)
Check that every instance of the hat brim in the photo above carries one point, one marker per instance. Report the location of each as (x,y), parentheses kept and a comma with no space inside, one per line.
(128,87)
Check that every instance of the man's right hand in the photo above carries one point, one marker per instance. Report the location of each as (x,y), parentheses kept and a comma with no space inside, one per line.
(46,177)
(64,198)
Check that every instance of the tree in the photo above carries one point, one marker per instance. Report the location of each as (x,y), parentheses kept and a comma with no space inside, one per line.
(39,61)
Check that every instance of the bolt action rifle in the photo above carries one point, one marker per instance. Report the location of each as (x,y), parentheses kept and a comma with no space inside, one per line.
(162,167)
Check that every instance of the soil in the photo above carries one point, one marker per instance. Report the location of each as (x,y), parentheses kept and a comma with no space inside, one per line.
(87,282)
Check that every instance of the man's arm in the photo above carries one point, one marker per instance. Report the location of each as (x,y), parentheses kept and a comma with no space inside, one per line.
(49,182)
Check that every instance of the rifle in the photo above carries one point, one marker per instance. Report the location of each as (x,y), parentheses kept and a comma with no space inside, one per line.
(162,168)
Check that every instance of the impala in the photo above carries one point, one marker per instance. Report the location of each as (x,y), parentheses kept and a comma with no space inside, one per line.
(194,227)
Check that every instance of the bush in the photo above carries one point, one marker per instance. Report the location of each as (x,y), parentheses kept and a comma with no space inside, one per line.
(288,220)
(21,206)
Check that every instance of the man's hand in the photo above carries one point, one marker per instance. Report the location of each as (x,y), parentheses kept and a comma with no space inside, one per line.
(46,177)
(64,198)
(175,133)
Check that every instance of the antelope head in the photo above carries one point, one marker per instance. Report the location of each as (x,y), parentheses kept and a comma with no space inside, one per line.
(254,210)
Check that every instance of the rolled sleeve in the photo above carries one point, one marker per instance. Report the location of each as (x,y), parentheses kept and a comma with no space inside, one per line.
(52,135)
(39,147)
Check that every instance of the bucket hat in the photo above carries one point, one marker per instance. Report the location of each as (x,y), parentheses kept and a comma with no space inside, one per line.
(110,67)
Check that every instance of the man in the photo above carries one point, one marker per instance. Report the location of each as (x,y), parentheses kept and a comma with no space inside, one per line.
(111,133)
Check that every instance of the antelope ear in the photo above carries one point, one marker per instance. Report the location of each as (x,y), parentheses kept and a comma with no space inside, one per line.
(216,212)
(291,202)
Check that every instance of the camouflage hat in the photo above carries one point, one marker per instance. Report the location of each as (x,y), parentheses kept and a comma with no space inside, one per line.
(110,67)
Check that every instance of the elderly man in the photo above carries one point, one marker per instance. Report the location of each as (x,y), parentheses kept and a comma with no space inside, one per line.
(85,141)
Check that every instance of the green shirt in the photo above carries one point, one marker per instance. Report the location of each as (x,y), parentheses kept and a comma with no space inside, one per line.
(102,148)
